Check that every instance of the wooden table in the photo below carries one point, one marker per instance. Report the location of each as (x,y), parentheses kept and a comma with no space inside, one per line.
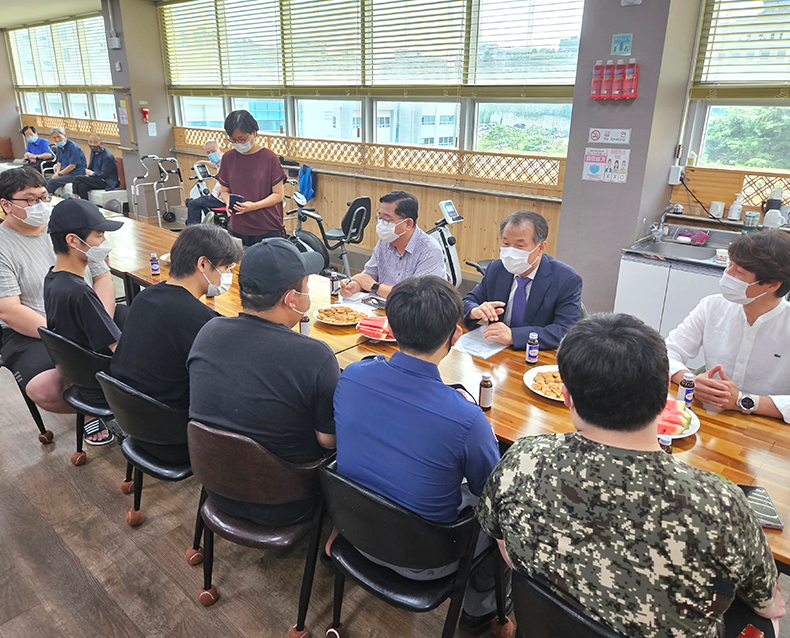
(751,450)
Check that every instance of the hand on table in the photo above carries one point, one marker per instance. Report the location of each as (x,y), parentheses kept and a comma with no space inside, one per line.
(349,287)
(488,310)
(364,281)
(498,332)
(721,392)
(245,207)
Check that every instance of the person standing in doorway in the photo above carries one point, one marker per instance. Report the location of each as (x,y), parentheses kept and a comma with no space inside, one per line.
(254,173)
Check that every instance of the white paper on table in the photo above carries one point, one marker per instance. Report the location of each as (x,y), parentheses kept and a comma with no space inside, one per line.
(473,343)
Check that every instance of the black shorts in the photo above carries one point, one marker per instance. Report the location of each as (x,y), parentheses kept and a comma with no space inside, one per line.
(25,356)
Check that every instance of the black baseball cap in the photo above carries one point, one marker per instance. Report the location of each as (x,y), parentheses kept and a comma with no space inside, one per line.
(276,263)
(74,214)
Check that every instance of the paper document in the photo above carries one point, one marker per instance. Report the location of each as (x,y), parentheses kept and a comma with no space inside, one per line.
(473,343)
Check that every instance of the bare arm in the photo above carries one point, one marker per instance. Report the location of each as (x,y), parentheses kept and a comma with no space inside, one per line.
(104,289)
(20,318)
(327,441)
(278,194)
(68,169)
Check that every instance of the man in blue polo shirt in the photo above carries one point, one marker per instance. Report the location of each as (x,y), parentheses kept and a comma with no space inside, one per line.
(71,161)
(418,439)
(37,149)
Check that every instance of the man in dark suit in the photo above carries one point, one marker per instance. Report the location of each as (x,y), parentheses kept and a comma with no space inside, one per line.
(525,290)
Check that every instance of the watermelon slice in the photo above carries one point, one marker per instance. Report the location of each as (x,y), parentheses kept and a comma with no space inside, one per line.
(375,327)
(674,419)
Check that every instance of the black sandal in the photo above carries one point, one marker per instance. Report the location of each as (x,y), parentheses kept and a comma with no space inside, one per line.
(94,427)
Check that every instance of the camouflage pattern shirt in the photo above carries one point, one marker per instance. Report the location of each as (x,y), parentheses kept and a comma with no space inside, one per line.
(645,543)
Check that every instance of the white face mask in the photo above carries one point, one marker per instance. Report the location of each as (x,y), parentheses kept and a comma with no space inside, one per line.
(97,254)
(225,282)
(386,230)
(515,260)
(37,215)
(242,148)
(304,294)
(734,290)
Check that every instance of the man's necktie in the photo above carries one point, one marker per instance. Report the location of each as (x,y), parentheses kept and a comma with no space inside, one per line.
(519,302)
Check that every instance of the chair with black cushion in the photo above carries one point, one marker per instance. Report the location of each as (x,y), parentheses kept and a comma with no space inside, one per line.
(370,523)
(352,230)
(145,419)
(45,436)
(540,613)
(79,367)
(236,467)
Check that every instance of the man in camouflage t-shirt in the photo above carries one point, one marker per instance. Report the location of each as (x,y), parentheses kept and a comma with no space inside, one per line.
(646,544)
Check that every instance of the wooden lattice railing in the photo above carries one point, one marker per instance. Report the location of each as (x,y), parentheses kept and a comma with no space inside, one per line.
(73,126)
(502,168)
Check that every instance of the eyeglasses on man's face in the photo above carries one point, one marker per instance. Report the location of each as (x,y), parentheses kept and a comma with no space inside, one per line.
(31,201)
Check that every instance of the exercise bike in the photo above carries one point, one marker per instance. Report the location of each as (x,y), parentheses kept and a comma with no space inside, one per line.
(442,234)
(218,215)
(304,240)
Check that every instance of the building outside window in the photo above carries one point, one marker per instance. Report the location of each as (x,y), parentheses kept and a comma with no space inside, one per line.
(428,120)
(270,114)
(204,112)
(446,141)
(329,119)
(412,122)
(427,141)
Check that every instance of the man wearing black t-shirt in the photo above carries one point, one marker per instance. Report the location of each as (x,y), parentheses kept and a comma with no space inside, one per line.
(73,309)
(164,320)
(254,375)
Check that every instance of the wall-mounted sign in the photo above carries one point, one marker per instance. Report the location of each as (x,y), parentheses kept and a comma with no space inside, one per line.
(606,165)
(621,43)
(609,135)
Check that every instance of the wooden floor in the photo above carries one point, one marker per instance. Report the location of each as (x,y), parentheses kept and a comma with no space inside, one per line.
(70,566)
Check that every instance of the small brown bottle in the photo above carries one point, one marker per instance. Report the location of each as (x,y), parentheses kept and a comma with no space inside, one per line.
(665,442)
(154,264)
(334,285)
(686,389)
(533,347)
(304,325)
(486,392)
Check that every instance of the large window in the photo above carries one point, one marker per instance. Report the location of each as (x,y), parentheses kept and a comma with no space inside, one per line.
(105,106)
(202,111)
(235,43)
(78,105)
(68,53)
(32,103)
(269,113)
(523,128)
(330,119)
(412,123)
(54,103)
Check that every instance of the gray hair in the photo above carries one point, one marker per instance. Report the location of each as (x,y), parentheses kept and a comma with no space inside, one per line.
(57,129)
(540,228)
(215,142)
(96,135)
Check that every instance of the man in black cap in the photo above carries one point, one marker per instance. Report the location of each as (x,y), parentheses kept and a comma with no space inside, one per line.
(73,309)
(254,375)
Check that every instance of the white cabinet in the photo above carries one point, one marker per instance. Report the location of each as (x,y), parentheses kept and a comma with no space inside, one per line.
(686,288)
(641,288)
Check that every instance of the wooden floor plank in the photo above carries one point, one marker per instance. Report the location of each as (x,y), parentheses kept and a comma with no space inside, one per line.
(16,594)
(34,623)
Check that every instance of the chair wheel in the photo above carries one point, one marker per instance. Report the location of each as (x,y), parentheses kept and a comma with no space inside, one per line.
(293,632)
(208,597)
(79,458)
(337,632)
(46,437)
(503,631)
(127,487)
(194,556)
(135,517)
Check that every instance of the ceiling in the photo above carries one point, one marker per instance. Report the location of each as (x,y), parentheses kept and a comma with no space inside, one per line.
(16,12)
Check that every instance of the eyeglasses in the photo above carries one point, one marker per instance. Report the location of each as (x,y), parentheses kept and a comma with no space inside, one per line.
(32,201)
(379,218)
(238,141)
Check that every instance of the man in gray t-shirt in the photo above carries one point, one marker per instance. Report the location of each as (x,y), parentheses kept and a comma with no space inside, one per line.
(26,255)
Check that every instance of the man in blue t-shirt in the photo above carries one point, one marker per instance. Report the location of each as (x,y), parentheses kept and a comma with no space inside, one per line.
(406,435)
(71,161)
(37,149)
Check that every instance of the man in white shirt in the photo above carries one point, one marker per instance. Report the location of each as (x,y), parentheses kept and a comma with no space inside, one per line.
(744,332)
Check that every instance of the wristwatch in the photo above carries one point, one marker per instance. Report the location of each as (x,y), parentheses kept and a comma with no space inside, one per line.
(747,402)
(375,288)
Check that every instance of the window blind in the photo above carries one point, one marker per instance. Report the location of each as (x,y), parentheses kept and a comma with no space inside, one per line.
(95,58)
(191,43)
(22,54)
(249,32)
(743,42)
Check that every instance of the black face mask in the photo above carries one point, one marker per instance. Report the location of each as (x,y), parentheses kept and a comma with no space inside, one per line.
(95,149)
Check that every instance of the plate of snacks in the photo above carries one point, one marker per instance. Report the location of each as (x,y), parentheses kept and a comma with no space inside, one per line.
(545,381)
(340,315)
(376,328)
(676,420)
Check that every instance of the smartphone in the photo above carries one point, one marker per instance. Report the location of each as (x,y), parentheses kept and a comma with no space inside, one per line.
(234,199)
(763,506)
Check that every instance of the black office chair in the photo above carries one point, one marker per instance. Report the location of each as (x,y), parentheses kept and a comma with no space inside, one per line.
(79,366)
(542,614)
(145,419)
(352,229)
(368,522)
(236,467)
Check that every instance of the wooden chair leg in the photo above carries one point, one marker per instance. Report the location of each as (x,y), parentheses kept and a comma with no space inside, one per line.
(208,595)
(309,572)
(194,554)
(79,457)
(134,516)
(127,486)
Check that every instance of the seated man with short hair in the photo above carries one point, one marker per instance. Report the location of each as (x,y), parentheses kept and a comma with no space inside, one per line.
(165,319)
(26,255)
(525,290)
(102,172)
(37,149)
(198,206)
(403,249)
(255,376)
(73,308)
(71,161)
(644,543)
(406,435)
(744,332)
